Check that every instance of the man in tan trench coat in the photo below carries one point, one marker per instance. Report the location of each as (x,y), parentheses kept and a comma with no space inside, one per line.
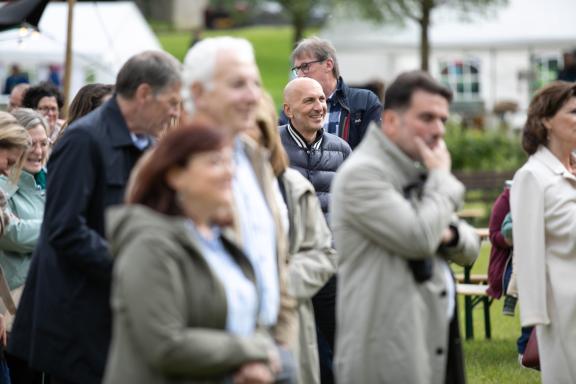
(393,206)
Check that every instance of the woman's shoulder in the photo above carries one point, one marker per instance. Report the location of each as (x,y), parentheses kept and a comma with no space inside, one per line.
(136,224)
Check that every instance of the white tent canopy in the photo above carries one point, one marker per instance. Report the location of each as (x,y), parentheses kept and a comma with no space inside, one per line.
(105,35)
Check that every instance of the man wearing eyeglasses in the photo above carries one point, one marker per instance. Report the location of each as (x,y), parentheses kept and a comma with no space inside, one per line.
(350,110)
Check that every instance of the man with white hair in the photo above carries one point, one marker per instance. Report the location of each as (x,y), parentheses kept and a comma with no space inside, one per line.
(222,87)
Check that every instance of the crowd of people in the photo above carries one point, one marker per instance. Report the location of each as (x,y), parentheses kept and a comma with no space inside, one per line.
(174,228)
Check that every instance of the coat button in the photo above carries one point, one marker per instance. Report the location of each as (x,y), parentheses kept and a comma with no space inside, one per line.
(443,293)
(439,351)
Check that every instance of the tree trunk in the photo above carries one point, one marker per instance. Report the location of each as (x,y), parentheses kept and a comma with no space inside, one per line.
(424,38)
(298,26)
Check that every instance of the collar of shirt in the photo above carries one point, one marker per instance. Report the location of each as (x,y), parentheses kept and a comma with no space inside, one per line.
(140,141)
(301,142)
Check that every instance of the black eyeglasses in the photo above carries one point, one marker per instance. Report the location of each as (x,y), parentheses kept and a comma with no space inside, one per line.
(305,67)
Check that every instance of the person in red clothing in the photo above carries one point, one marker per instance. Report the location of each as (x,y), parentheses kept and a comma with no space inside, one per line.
(500,264)
(500,254)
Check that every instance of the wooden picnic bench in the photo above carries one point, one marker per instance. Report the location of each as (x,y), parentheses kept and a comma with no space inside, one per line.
(473,287)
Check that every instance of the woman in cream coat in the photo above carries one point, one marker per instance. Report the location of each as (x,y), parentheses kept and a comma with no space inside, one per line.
(543,205)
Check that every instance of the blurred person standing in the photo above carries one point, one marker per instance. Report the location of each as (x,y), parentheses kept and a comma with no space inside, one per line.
(88,98)
(14,142)
(62,326)
(543,206)
(26,199)
(16,77)
(197,321)
(311,257)
(316,154)
(16,96)
(350,110)
(48,100)
(222,86)
(394,204)
(568,72)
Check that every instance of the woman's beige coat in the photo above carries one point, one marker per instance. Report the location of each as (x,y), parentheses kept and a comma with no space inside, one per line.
(311,262)
(169,309)
(543,205)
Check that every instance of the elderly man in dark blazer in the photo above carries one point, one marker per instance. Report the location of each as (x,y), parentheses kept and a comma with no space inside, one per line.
(62,325)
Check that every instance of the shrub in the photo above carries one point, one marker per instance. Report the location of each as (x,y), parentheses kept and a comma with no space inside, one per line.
(477,150)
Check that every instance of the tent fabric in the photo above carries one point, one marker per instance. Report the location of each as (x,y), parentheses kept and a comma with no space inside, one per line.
(23,11)
(105,35)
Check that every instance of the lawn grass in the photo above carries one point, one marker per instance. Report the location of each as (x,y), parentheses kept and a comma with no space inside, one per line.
(496,360)
(487,361)
(272,46)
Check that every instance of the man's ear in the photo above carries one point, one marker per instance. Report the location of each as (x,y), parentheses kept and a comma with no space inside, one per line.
(329,64)
(287,110)
(197,90)
(390,122)
(143,92)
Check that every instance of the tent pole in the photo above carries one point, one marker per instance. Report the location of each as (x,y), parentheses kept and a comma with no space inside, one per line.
(68,59)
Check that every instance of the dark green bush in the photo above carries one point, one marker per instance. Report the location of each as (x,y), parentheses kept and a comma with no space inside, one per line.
(477,150)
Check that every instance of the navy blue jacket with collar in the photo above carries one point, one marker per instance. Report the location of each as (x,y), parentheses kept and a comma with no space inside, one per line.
(63,322)
(317,162)
(359,108)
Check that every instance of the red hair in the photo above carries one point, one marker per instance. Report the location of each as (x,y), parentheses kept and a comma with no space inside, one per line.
(173,150)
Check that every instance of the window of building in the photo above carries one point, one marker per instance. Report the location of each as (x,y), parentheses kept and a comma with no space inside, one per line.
(463,77)
(544,70)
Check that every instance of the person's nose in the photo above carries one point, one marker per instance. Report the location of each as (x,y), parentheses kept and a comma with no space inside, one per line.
(439,128)
(36,149)
(253,93)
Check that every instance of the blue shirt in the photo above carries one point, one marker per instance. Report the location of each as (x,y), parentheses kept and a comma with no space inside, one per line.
(332,122)
(241,295)
(258,235)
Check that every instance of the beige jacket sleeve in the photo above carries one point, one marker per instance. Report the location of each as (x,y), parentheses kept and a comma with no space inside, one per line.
(410,230)
(312,258)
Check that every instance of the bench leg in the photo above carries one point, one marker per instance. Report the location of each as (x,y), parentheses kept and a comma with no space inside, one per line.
(487,325)
(468,319)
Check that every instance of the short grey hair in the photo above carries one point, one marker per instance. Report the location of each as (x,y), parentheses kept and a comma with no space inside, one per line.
(29,118)
(200,63)
(158,69)
(320,49)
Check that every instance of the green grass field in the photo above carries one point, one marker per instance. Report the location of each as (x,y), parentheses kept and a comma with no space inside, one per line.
(487,361)
(272,46)
(493,361)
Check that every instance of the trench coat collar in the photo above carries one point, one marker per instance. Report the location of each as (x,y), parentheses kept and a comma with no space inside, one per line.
(388,152)
(546,157)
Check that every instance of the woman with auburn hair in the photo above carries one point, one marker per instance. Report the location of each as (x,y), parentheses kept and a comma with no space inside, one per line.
(312,259)
(88,98)
(543,205)
(184,297)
